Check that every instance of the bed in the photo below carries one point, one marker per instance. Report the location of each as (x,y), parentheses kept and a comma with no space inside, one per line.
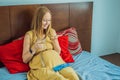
(75,18)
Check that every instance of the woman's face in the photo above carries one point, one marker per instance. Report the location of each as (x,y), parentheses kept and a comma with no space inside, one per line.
(46,20)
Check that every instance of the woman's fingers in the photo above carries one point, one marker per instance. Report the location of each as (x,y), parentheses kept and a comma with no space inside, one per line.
(39,46)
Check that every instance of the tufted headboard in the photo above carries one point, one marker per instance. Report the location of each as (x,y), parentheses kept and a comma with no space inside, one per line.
(16,20)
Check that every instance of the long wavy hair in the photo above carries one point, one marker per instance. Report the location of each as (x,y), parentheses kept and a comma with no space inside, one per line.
(37,22)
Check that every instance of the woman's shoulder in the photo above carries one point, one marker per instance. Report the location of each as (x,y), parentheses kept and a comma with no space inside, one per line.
(52,30)
(29,32)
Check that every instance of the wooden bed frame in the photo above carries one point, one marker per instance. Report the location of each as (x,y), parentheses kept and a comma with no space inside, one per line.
(16,20)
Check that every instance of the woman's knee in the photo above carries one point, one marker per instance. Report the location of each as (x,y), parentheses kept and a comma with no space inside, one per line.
(69,73)
(73,76)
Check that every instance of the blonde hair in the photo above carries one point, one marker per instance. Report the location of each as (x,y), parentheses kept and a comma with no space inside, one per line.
(37,21)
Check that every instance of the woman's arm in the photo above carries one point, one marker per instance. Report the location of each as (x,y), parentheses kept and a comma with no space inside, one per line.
(27,55)
(55,42)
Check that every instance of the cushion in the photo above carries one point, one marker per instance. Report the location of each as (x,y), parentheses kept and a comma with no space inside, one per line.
(65,54)
(11,56)
(74,45)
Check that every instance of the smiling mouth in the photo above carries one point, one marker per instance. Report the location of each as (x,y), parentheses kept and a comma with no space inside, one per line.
(45,26)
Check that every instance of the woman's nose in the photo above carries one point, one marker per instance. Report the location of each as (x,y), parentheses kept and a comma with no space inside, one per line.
(47,22)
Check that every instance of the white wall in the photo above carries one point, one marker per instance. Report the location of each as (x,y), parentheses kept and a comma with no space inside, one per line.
(106,23)
(118,45)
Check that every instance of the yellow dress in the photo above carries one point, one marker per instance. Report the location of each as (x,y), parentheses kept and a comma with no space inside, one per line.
(42,63)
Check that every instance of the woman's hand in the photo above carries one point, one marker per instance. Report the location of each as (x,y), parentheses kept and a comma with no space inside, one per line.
(38,45)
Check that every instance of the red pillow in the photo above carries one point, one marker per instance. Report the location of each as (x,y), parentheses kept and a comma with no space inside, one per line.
(11,56)
(65,54)
(74,45)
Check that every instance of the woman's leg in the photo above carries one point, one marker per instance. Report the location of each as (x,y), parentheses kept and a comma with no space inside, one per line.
(55,76)
(69,73)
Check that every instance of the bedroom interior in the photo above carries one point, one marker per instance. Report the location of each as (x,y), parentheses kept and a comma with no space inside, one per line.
(15,21)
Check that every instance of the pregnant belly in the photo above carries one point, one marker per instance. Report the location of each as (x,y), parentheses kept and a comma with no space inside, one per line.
(51,58)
